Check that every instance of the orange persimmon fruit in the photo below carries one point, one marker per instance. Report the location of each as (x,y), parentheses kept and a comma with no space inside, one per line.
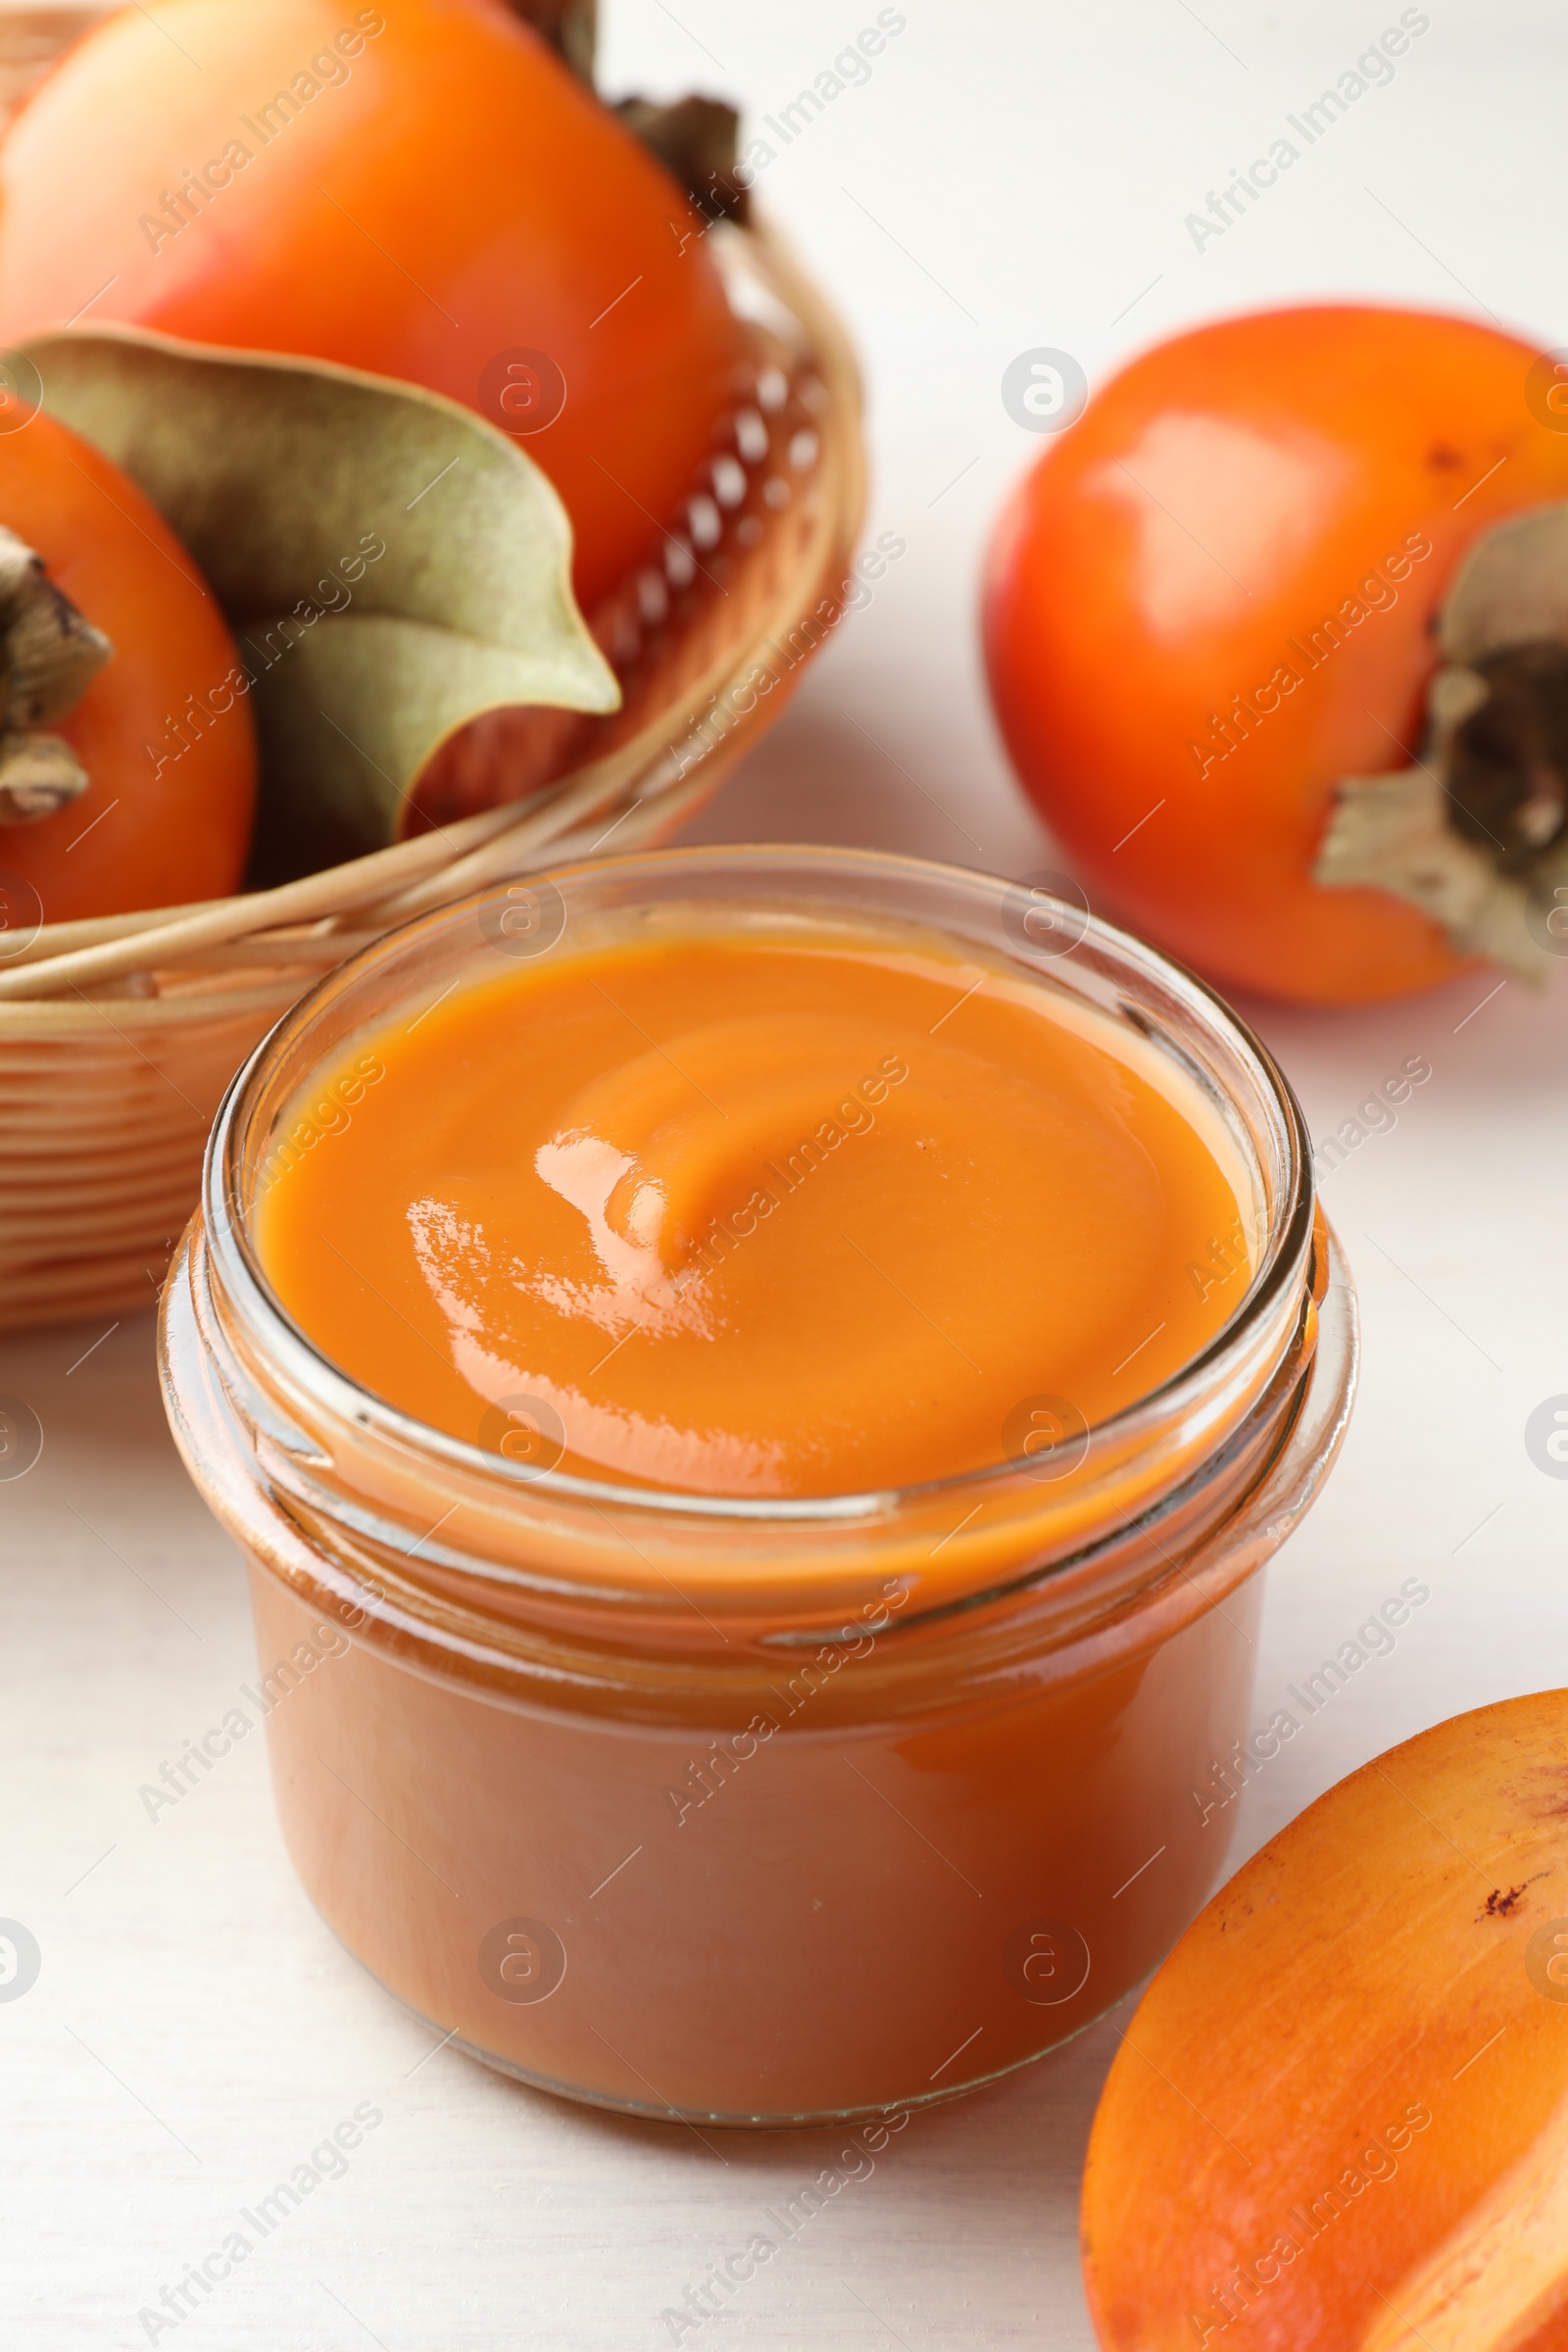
(1339,2118)
(1213,599)
(420,189)
(166,813)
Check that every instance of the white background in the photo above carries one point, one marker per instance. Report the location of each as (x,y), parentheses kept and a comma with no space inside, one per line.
(195,2030)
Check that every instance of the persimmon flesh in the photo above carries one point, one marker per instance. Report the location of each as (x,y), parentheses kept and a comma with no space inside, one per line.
(418,189)
(1212,600)
(166,817)
(1340,2115)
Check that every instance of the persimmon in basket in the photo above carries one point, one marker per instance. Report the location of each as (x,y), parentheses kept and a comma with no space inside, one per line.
(113,796)
(421,190)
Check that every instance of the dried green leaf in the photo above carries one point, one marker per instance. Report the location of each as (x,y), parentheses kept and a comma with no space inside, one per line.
(391,565)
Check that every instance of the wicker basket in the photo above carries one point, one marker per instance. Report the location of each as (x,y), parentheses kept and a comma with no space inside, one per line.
(118,1036)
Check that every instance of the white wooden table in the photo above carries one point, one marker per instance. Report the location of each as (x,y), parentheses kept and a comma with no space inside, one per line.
(1005,177)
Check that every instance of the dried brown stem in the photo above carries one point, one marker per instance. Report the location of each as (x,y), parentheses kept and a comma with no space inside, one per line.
(48,653)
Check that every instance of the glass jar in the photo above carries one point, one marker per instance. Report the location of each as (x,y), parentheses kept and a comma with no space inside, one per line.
(748,1811)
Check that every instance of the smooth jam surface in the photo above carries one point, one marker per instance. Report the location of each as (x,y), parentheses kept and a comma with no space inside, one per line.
(755,1211)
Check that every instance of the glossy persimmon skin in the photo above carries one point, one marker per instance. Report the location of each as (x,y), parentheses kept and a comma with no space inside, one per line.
(1178,546)
(449,193)
(159,825)
(1346,2056)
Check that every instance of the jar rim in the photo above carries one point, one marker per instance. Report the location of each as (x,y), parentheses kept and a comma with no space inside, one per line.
(1136,973)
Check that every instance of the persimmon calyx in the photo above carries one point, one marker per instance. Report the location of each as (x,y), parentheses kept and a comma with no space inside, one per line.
(697,139)
(1476,833)
(48,653)
(38,775)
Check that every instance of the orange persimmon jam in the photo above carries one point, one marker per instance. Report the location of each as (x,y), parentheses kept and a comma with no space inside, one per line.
(760,1216)
(752,1386)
